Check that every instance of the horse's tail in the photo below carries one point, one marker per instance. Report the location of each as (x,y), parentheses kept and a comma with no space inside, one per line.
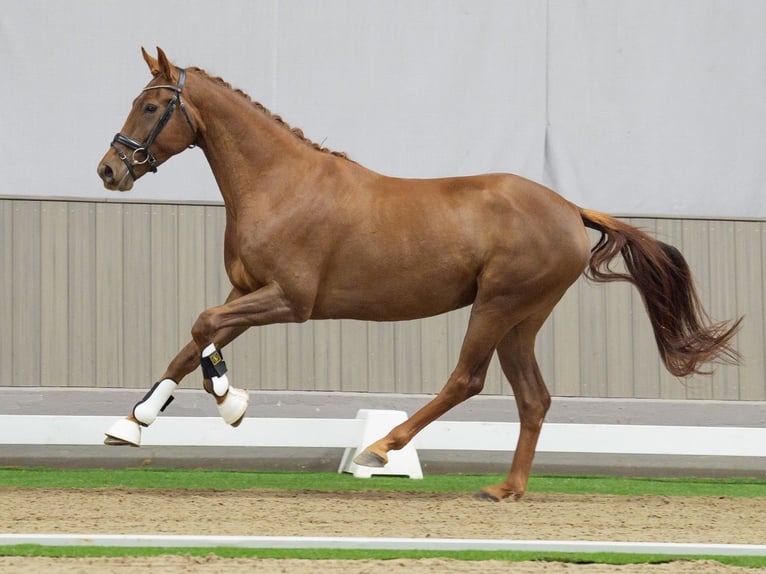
(685,336)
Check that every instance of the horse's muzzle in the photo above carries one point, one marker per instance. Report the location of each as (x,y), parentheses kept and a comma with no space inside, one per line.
(114,174)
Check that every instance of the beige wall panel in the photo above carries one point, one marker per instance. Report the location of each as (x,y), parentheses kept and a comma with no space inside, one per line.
(139,371)
(54,294)
(7,252)
(407,375)
(273,359)
(327,356)
(109,294)
(81,343)
(105,294)
(244,360)
(26,343)
(749,289)
(163,266)
(566,344)
(380,356)
(300,357)
(590,330)
(354,356)
(756,387)
(723,299)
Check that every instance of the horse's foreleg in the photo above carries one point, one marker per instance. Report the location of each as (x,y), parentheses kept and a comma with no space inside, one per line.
(127,431)
(264,306)
(231,402)
(466,380)
(517,359)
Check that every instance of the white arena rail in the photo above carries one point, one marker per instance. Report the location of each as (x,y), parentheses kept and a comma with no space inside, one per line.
(356,433)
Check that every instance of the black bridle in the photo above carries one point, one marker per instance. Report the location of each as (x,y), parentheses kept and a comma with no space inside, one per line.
(141,152)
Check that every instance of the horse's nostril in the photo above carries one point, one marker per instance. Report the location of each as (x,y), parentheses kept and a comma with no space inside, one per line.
(108,173)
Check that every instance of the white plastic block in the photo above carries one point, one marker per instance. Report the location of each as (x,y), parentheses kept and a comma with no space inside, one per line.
(376,425)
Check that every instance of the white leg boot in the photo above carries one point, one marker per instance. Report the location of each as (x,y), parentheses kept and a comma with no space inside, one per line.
(128,432)
(235,401)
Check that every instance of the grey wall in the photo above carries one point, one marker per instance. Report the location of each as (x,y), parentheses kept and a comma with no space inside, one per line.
(103,294)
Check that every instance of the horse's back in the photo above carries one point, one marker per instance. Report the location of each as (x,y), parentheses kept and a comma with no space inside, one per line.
(413,248)
(488,214)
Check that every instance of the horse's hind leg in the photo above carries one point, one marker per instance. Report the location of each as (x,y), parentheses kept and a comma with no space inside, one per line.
(486,326)
(517,358)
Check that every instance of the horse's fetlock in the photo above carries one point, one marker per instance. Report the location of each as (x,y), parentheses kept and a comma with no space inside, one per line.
(214,369)
(397,439)
(154,402)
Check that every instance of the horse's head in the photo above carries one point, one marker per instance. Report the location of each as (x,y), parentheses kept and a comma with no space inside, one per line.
(153,131)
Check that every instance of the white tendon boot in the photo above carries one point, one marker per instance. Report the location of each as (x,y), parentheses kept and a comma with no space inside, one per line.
(128,432)
(234,404)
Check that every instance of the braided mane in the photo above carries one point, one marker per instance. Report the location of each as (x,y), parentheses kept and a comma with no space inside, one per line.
(297,132)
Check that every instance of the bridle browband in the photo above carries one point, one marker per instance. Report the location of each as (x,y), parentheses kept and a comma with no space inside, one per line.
(142,149)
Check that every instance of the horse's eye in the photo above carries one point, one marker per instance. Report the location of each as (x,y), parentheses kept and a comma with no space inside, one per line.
(150,108)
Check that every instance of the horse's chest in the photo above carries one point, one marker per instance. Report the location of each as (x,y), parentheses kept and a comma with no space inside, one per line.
(244,266)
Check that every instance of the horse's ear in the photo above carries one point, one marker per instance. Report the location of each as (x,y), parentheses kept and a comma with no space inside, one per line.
(167,69)
(154,66)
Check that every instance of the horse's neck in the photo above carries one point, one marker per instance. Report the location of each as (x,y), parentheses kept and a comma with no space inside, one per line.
(242,143)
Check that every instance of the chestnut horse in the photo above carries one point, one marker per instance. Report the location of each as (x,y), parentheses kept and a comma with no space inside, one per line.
(311,234)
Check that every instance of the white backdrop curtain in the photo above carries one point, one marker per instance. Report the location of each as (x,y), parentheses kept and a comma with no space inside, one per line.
(643,107)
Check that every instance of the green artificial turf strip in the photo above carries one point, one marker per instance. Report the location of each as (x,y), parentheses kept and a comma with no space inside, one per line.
(327,481)
(342,554)
(456,483)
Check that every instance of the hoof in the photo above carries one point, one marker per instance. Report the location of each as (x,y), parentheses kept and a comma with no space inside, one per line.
(485,496)
(124,432)
(234,405)
(369,458)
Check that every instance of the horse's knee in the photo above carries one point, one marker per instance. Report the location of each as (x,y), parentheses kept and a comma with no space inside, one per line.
(204,328)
